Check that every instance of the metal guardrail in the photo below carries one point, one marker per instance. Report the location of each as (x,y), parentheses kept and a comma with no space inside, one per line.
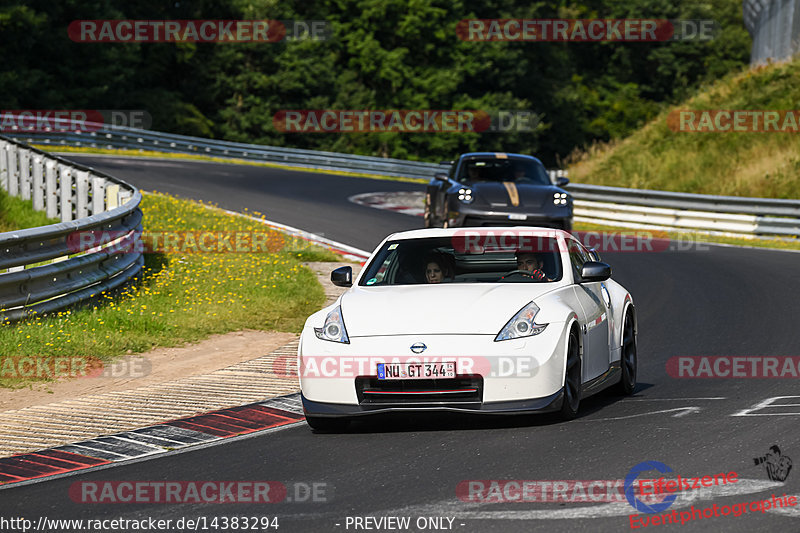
(634,208)
(774,26)
(726,215)
(42,269)
(116,137)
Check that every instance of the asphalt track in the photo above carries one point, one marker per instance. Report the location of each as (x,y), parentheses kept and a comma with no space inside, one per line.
(707,300)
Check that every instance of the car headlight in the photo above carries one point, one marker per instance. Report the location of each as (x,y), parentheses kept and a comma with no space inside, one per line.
(560,198)
(465,195)
(333,330)
(522,324)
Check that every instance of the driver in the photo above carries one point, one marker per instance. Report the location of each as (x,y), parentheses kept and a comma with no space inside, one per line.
(473,173)
(532,263)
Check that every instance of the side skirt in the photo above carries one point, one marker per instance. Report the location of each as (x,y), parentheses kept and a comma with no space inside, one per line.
(603,381)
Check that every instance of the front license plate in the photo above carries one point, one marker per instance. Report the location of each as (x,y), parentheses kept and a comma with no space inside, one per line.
(518,217)
(417,370)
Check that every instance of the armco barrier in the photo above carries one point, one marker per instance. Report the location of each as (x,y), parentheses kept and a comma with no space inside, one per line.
(615,206)
(39,269)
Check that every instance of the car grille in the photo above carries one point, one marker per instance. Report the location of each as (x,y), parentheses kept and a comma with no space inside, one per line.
(463,389)
(544,223)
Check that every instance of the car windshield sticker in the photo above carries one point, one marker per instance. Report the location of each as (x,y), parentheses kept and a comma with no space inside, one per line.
(392,246)
(371,281)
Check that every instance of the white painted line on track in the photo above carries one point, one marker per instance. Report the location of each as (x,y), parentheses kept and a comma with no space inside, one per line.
(462,510)
(769,402)
(680,411)
(794,512)
(407,203)
(350,252)
(669,399)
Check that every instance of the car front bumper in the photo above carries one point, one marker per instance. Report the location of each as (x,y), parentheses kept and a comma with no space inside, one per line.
(518,375)
(473,217)
(532,405)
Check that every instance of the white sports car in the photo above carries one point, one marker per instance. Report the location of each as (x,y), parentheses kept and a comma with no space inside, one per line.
(484,320)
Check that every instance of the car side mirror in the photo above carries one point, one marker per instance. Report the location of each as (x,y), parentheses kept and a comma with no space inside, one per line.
(441,176)
(562,182)
(595,271)
(342,276)
(594,254)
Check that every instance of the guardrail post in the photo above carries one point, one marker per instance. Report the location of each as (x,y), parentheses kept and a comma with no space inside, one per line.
(112,196)
(13,171)
(25,174)
(50,190)
(4,149)
(98,195)
(81,194)
(65,189)
(38,182)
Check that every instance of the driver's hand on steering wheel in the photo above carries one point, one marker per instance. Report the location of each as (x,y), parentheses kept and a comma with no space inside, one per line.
(538,274)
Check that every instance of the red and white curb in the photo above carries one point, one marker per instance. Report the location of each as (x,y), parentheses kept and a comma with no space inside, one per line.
(153,440)
(407,203)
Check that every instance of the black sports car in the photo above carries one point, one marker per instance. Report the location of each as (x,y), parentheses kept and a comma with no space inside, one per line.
(497,189)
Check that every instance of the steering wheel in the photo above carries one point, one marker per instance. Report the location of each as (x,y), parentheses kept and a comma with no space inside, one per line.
(536,274)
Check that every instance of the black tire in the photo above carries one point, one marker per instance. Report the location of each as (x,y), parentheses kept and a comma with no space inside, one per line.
(629,360)
(572,379)
(327,424)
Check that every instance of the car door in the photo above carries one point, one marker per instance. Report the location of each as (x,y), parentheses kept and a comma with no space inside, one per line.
(596,315)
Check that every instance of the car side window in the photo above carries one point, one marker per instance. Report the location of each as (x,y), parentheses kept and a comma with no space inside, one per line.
(584,252)
(577,257)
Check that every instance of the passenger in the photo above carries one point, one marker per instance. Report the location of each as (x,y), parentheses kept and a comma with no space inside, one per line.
(519,172)
(437,270)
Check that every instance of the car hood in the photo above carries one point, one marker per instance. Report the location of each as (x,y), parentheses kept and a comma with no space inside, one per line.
(447,308)
(497,194)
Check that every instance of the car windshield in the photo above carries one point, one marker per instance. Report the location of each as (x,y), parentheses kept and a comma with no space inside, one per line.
(492,169)
(458,260)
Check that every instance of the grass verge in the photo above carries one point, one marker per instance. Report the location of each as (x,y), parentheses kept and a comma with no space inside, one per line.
(182,296)
(16,213)
(757,164)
